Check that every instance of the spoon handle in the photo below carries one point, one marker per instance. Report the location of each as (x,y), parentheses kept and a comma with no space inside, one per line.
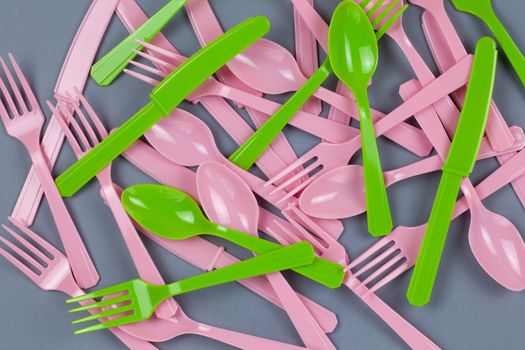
(246,155)
(507,44)
(378,209)
(321,270)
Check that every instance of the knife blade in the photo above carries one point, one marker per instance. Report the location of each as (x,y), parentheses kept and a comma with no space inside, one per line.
(459,164)
(164,98)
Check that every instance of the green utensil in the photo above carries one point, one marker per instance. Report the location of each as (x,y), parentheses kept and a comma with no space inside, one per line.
(459,164)
(246,155)
(164,98)
(484,11)
(353,50)
(173,214)
(141,298)
(113,63)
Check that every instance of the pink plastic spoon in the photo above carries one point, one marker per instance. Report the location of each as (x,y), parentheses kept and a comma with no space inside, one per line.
(228,201)
(339,193)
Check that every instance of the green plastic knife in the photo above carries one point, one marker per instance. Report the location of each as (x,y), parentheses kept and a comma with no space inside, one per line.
(164,98)
(113,63)
(459,164)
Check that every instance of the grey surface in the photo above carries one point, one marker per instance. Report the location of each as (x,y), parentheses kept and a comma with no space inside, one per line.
(468,309)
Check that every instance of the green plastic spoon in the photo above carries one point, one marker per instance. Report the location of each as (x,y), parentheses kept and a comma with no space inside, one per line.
(484,11)
(173,214)
(352,47)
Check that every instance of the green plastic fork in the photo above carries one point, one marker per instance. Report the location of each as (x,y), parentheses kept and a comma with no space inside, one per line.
(136,300)
(248,153)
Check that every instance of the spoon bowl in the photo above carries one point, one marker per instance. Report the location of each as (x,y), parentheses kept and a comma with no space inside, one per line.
(160,209)
(498,247)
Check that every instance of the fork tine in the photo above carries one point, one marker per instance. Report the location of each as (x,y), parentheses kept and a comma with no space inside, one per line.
(141,77)
(87,126)
(119,288)
(109,324)
(377,20)
(382,269)
(384,28)
(101,304)
(103,132)
(28,245)
(148,69)
(179,59)
(53,251)
(7,95)
(61,119)
(28,258)
(14,88)
(374,8)
(296,177)
(288,170)
(383,242)
(391,276)
(106,313)
(25,85)
(18,264)
(364,3)
(154,59)
(376,261)
(80,134)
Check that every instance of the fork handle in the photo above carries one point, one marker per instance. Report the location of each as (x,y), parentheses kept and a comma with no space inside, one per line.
(299,254)
(508,45)
(82,266)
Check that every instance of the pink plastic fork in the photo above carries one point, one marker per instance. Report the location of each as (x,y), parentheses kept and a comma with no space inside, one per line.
(325,157)
(447,49)
(82,140)
(26,127)
(408,136)
(54,274)
(401,247)
(74,73)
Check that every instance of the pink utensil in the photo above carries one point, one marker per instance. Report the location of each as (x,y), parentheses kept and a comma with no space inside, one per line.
(83,137)
(446,47)
(54,273)
(208,28)
(402,245)
(74,73)
(325,157)
(406,135)
(175,137)
(339,193)
(133,17)
(306,56)
(26,127)
(205,254)
(228,201)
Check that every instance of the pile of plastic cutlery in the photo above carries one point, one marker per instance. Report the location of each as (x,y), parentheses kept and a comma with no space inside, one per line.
(285,208)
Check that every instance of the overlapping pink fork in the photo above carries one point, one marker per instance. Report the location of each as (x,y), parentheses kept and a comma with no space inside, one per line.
(83,137)
(325,157)
(396,253)
(446,47)
(54,273)
(26,126)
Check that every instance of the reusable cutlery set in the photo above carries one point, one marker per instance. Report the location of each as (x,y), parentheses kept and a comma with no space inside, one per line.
(454,112)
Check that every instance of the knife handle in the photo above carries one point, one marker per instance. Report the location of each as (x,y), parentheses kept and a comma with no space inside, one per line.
(427,264)
(106,151)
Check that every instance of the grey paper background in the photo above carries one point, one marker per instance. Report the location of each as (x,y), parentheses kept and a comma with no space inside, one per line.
(468,309)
